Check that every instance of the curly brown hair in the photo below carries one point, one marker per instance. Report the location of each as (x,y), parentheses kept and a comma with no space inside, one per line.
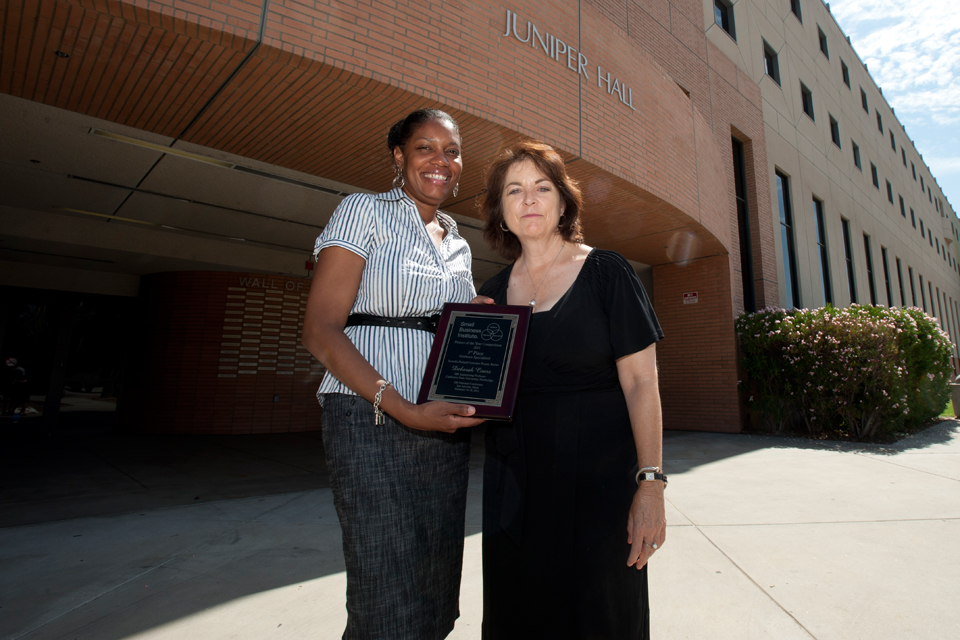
(550,164)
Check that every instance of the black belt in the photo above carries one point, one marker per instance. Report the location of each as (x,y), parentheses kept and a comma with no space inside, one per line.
(423,324)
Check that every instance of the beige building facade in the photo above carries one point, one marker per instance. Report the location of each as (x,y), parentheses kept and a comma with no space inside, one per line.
(849,190)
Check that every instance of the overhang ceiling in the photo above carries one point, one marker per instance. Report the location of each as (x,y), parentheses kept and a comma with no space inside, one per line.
(297,134)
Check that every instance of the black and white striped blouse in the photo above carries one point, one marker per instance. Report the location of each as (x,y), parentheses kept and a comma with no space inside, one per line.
(405,275)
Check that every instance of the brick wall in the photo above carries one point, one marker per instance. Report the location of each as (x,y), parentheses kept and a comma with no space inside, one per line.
(697,357)
(315,89)
(220,352)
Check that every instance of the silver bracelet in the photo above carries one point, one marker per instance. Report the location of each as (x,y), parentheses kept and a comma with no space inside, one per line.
(377,413)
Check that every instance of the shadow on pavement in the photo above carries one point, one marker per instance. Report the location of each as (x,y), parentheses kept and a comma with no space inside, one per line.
(60,476)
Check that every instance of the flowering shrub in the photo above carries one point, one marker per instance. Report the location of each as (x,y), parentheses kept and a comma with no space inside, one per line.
(864,369)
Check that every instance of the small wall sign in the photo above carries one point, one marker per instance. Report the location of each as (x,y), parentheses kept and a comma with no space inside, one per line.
(690,298)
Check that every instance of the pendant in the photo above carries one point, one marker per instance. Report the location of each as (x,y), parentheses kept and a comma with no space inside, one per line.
(533,302)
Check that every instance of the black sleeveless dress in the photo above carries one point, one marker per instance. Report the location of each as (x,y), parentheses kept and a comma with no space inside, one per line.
(559,480)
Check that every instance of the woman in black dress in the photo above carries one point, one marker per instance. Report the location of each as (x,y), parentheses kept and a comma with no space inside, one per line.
(568,523)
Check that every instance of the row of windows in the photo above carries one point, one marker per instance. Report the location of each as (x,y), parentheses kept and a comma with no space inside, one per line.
(791,280)
(723,10)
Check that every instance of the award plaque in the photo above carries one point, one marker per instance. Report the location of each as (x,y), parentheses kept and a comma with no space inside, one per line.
(476,358)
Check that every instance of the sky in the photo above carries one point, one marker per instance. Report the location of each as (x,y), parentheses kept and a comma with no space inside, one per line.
(912,50)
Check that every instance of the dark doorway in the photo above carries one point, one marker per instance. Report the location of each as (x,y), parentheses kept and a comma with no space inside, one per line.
(62,358)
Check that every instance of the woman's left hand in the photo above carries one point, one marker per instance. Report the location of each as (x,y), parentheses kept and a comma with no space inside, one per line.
(483,300)
(646,524)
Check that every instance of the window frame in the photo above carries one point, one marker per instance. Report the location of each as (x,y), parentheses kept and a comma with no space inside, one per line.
(886,275)
(856,155)
(771,58)
(913,290)
(903,300)
(875,176)
(826,288)
(863,100)
(845,74)
(788,244)
(879,120)
(848,258)
(834,130)
(806,101)
(723,11)
(824,46)
(868,257)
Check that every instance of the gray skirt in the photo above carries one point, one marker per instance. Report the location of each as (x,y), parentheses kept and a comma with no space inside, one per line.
(401,496)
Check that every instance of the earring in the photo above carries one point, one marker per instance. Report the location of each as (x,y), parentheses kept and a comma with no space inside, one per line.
(398,179)
(456,189)
(503,227)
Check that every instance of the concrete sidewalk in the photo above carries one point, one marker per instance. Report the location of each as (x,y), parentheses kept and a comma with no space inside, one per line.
(768,538)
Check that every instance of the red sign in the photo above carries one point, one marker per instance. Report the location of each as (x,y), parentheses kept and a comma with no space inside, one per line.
(690,298)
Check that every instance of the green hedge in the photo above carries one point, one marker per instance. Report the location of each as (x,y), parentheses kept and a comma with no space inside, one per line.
(865,370)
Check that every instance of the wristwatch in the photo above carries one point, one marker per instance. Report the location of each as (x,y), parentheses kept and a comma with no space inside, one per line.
(644,475)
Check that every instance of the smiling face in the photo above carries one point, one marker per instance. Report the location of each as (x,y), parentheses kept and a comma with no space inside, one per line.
(431,164)
(531,202)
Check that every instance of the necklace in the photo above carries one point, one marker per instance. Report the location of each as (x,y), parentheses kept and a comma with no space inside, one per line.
(533,298)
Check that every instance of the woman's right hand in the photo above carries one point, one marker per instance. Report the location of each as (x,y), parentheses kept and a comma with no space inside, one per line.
(438,416)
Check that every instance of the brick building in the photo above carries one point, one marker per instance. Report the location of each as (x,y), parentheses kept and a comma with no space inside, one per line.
(168,164)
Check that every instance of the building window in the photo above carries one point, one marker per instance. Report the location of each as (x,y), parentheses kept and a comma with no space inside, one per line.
(937,243)
(923,234)
(879,122)
(834,130)
(822,246)
(845,72)
(786,239)
(913,168)
(823,42)
(913,291)
(869,258)
(743,223)
(863,100)
(889,192)
(903,300)
(848,258)
(795,9)
(856,155)
(922,188)
(893,142)
(723,16)
(930,194)
(770,62)
(903,156)
(923,295)
(913,219)
(930,237)
(903,211)
(807,97)
(886,275)
(873,174)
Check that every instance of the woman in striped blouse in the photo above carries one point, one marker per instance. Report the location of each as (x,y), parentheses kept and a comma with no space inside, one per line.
(385,263)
